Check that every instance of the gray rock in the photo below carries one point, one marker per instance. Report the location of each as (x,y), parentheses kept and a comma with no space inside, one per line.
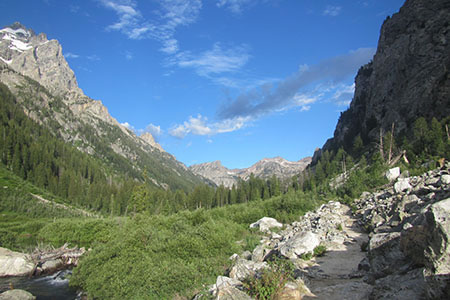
(438,251)
(402,185)
(294,290)
(52,265)
(392,174)
(16,295)
(300,243)
(409,286)
(229,292)
(14,263)
(445,179)
(260,253)
(264,224)
(244,268)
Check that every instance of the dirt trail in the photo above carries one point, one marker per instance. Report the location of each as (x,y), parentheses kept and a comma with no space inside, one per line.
(336,275)
(66,207)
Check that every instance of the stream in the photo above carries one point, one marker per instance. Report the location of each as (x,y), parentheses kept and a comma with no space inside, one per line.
(55,286)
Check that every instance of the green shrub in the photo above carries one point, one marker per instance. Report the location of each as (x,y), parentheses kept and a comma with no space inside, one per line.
(319,250)
(271,281)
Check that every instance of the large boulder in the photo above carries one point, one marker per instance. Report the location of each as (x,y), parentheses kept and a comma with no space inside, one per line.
(392,174)
(438,251)
(14,263)
(264,224)
(244,268)
(385,254)
(226,289)
(16,295)
(294,290)
(301,243)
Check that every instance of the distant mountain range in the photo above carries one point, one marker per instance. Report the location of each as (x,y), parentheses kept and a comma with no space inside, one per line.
(264,168)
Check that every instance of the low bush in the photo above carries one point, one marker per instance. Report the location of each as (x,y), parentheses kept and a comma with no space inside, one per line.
(271,281)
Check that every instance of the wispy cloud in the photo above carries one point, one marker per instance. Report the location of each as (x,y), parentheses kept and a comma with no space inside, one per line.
(129,16)
(235,6)
(267,99)
(343,95)
(71,55)
(214,61)
(93,57)
(331,10)
(128,55)
(170,15)
(200,126)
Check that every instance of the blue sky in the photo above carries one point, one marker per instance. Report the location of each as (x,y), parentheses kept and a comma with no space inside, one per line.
(229,80)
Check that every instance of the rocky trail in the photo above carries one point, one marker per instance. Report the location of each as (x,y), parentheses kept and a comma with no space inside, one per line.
(336,275)
(393,245)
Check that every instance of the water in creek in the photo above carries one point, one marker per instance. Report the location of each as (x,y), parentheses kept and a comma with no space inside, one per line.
(55,286)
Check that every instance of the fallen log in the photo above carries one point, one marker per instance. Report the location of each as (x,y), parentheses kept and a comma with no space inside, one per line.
(48,261)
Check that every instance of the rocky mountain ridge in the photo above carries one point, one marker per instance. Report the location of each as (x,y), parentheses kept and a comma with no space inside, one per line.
(36,72)
(408,78)
(393,246)
(264,168)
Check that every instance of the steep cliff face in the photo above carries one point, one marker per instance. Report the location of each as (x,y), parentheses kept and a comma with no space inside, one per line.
(36,72)
(408,77)
(38,58)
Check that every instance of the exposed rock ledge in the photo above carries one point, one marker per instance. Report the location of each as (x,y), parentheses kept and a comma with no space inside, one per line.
(395,246)
(20,264)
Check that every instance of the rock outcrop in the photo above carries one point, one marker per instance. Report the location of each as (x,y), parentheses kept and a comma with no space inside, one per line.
(409,76)
(264,169)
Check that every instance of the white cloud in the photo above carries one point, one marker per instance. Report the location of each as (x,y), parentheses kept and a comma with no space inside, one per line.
(214,61)
(154,130)
(331,10)
(199,126)
(127,125)
(160,27)
(71,55)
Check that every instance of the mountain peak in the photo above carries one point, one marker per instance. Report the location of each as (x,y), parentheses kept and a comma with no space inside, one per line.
(19,30)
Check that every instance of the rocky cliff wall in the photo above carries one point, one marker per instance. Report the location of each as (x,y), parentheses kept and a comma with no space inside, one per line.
(409,76)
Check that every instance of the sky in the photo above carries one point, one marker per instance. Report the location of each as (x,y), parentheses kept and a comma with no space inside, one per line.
(229,80)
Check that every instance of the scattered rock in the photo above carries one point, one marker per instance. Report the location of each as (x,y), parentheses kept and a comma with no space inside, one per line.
(402,185)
